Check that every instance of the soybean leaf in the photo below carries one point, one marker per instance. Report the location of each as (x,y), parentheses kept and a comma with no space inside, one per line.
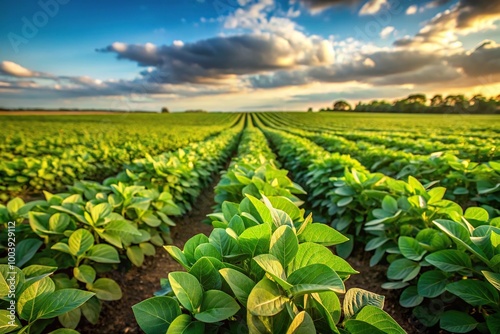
(255,240)
(206,273)
(25,250)
(135,255)
(155,315)
(355,299)
(61,301)
(328,304)
(266,299)
(461,236)
(271,265)
(302,324)
(6,324)
(178,255)
(322,234)
(310,253)
(91,310)
(410,297)
(31,299)
(84,273)
(80,241)
(375,317)
(240,284)
(36,272)
(216,306)
(493,323)
(493,278)
(191,245)
(389,204)
(315,278)
(284,244)
(432,283)
(187,289)
(223,242)
(449,260)
(207,250)
(105,289)
(410,248)
(184,324)
(257,209)
(474,292)
(457,322)
(403,269)
(103,253)
(71,318)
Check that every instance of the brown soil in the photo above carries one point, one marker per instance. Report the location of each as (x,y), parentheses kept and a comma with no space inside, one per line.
(139,284)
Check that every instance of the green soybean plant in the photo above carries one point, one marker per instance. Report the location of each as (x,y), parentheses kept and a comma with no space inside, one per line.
(457,262)
(30,299)
(352,198)
(255,171)
(409,208)
(268,271)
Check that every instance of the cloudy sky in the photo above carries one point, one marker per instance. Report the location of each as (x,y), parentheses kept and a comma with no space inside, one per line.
(243,54)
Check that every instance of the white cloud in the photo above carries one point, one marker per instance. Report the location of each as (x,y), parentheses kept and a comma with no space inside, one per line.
(412,10)
(442,32)
(317,6)
(373,7)
(16,70)
(387,31)
(369,63)
(178,43)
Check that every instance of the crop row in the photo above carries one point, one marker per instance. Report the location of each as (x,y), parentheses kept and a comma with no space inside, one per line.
(30,164)
(472,148)
(446,128)
(437,252)
(73,237)
(265,268)
(466,181)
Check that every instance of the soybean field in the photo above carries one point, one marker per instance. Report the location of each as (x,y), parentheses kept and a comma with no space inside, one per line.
(329,222)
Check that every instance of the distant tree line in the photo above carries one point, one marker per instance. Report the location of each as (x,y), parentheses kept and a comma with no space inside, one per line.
(420,104)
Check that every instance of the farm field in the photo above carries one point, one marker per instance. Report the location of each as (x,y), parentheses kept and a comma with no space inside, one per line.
(252,222)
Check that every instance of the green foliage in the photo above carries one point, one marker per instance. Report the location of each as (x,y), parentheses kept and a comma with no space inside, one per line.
(38,299)
(51,152)
(255,171)
(269,260)
(433,247)
(93,227)
(271,275)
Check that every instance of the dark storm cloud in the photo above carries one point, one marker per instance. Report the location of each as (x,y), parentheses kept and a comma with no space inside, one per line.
(484,60)
(219,58)
(321,4)
(366,68)
(436,73)
(465,16)
(471,10)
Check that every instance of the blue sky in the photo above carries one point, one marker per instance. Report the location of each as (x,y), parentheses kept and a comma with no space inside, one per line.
(243,54)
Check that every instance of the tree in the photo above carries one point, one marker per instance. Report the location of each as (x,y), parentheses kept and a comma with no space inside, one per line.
(341,106)
(479,104)
(310,110)
(165,110)
(458,103)
(417,99)
(413,103)
(437,101)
